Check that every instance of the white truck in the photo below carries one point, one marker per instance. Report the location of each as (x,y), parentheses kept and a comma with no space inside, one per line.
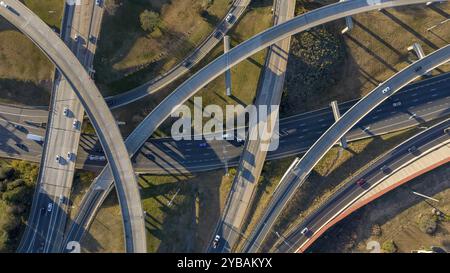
(35,137)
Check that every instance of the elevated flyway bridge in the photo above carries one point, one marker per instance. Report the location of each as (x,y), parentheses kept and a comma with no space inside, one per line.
(401,166)
(98,112)
(300,172)
(239,53)
(238,7)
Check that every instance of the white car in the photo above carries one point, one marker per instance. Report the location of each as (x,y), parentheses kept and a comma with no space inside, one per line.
(229,18)
(238,139)
(385,90)
(305,231)
(58,158)
(70,156)
(97,157)
(49,207)
(75,124)
(215,243)
(3,4)
(226,136)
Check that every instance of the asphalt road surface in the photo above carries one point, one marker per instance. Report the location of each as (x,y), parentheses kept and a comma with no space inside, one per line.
(294,178)
(237,9)
(98,112)
(56,176)
(372,175)
(255,149)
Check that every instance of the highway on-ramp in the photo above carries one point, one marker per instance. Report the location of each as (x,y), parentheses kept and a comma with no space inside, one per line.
(295,177)
(208,73)
(81,26)
(255,148)
(98,112)
(238,7)
(372,176)
(421,101)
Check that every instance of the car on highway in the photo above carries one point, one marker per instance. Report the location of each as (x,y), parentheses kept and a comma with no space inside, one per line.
(187,63)
(385,90)
(216,241)
(75,124)
(97,157)
(92,39)
(49,207)
(66,111)
(412,149)
(397,103)
(203,145)
(230,18)
(361,182)
(385,169)
(447,130)
(21,128)
(305,231)
(70,156)
(218,34)
(417,69)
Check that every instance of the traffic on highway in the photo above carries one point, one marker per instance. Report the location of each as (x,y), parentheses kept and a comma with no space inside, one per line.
(300,86)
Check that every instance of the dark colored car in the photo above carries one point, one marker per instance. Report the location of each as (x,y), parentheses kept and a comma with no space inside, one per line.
(218,34)
(361,182)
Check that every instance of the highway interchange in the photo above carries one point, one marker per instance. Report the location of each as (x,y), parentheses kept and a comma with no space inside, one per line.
(296,176)
(300,137)
(80,31)
(392,160)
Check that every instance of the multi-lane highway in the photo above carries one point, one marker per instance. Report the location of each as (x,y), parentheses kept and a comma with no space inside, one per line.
(160,113)
(98,112)
(103,184)
(428,99)
(295,177)
(255,148)
(422,101)
(80,27)
(351,192)
(238,7)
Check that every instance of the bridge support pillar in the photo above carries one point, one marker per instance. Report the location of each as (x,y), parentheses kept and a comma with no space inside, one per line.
(417,48)
(348,22)
(226,48)
(337,115)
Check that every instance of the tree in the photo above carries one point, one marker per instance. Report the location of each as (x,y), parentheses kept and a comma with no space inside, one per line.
(389,246)
(149,20)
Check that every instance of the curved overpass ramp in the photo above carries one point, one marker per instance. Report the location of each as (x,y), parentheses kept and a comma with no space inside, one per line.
(295,177)
(433,150)
(97,110)
(238,8)
(98,191)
